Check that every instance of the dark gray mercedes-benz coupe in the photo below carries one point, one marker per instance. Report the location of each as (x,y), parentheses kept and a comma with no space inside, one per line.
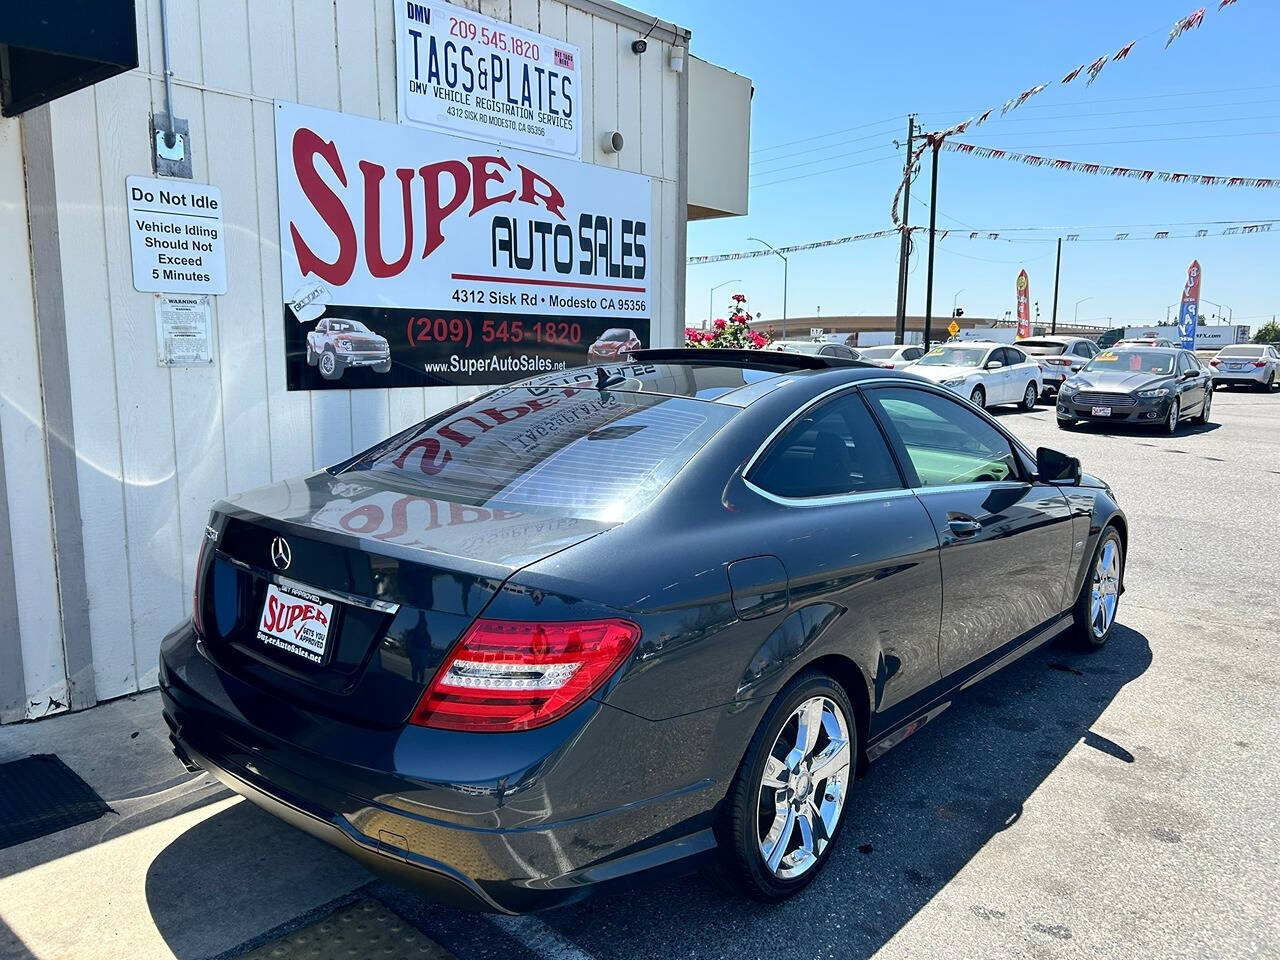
(662,612)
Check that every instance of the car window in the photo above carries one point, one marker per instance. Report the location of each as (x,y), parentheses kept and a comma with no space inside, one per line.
(949,356)
(1082,350)
(834,448)
(944,442)
(559,451)
(1183,366)
(1156,362)
(914,353)
(1193,362)
(1014,356)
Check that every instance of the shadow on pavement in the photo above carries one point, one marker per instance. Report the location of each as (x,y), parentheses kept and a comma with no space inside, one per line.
(238,873)
(11,945)
(920,815)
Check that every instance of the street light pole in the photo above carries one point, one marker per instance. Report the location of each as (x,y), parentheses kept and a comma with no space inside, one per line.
(1075,314)
(711,301)
(784,283)
(1057,274)
(954,299)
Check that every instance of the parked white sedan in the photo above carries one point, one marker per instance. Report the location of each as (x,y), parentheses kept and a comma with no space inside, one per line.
(891,355)
(1247,365)
(986,373)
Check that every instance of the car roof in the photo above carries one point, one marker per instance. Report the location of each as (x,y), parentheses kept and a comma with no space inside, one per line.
(1147,348)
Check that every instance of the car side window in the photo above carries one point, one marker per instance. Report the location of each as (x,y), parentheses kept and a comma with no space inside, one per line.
(944,442)
(1192,362)
(832,449)
(1182,364)
(1014,355)
(1082,350)
(915,353)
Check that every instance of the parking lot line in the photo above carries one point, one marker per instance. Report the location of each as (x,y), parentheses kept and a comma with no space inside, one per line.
(538,938)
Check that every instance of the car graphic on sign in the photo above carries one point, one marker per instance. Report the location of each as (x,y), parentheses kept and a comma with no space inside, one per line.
(614,344)
(337,343)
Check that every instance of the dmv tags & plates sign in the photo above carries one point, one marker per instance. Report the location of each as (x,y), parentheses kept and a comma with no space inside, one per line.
(471,75)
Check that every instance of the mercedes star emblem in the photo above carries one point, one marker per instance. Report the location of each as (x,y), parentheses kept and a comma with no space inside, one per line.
(281,555)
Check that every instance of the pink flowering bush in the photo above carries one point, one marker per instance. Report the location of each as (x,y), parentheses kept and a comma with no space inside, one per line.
(731,332)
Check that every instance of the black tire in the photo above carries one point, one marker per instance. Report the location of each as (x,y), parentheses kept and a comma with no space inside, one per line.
(1203,416)
(1174,419)
(1029,397)
(1066,424)
(330,366)
(311,356)
(1270,384)
(741,864)
(1081,634)
(979,397)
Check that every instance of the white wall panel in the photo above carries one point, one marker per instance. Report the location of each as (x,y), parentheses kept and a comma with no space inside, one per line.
(99,116)
(22,430)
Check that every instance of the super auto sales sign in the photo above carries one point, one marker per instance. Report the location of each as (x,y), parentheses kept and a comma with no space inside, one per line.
(413,258)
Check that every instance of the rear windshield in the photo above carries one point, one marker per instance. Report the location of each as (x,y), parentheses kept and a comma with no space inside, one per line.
(878,353)
(617,334)
(1042,348)
(586,453)
(1241,351)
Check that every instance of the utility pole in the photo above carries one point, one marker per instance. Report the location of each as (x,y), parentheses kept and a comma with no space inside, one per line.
(936,143)
(1057,273)
(904,250)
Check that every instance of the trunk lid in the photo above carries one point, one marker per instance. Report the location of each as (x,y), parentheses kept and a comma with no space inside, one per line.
(374,587)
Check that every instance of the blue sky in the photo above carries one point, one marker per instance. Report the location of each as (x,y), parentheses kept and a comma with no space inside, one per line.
(819,68)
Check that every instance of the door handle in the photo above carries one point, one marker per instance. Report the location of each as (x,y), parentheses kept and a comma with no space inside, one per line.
(964,526)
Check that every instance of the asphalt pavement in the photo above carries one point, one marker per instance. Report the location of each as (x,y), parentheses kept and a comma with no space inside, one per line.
(1119,804)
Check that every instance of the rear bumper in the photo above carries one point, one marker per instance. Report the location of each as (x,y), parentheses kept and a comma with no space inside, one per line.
(1241,378)
(524,821)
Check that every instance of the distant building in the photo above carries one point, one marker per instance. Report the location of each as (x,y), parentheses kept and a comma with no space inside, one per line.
(799,327)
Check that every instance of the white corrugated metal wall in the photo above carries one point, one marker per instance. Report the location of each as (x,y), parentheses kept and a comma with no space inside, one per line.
(154,446)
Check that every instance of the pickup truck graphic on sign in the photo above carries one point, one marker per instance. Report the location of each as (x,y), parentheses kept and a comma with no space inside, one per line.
(337,343)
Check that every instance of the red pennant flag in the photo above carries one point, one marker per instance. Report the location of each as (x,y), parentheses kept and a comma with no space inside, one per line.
(1095,68)
(983,119)
(1186,23)
(1225,3)
(1124,51)
(1073,74)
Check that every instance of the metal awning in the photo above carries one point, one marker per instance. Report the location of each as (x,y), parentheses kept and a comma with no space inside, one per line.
(50,50)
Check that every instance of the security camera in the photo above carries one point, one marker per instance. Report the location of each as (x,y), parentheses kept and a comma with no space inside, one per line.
(639,45)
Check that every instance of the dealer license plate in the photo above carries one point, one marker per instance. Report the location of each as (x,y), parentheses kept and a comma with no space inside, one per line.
(1236,366)
(1102,411)
(297,622)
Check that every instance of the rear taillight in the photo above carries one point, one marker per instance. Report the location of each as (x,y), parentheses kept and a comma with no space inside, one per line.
(515,675)
(197,614)
(1259,363)
(1214,363)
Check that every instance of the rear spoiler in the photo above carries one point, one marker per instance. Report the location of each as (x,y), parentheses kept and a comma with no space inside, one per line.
(757,359)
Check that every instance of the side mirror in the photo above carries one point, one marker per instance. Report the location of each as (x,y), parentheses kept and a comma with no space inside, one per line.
(1190,374)
(1057,468)
(994,365)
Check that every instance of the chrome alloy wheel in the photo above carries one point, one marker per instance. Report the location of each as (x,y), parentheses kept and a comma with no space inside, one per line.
(1105,590)
(328,363)
(802,793)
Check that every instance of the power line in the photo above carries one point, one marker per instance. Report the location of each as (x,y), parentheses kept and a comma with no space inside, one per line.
(1104,143)
(1129,126)
(825,146)
(1180,108)
(809,163)
(823,136)
(818,173)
